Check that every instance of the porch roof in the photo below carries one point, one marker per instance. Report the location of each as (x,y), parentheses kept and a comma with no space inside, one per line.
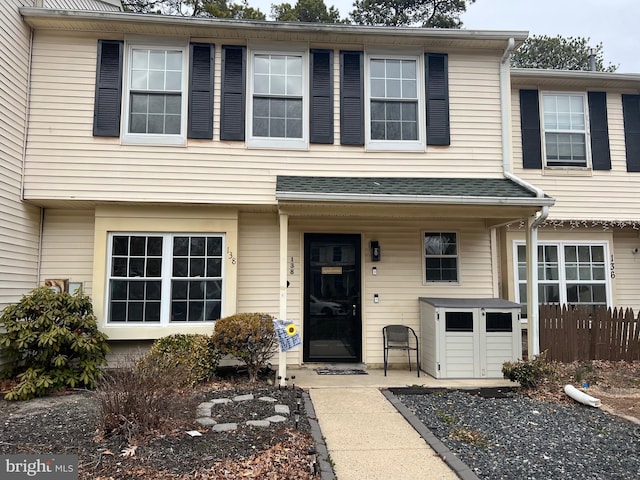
(452,191)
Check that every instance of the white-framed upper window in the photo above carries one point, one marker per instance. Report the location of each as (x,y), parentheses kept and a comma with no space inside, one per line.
(440,252)
(569,273)
(394,106)
(155,101)
(564,126)
(162,278)
(278,111)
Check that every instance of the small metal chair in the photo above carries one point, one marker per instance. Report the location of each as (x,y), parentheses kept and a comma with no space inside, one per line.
(396,337)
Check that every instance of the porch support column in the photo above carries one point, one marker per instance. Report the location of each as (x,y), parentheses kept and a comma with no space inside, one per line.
(284,235)
(533,311)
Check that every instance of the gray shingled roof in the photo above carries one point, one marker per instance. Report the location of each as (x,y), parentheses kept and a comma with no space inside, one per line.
(487,188)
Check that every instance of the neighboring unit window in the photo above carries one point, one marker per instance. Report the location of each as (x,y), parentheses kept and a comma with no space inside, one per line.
(441,257)
(156,99)
(570,274)
(565,133)
(162,278)
(394,103)
(278,110)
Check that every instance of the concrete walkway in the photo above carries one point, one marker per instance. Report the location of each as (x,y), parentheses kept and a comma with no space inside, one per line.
(368,439)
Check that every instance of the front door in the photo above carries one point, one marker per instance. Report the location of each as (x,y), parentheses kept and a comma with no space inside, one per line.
(332,320)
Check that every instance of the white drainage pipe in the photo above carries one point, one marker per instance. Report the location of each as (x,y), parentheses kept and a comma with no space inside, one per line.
(582,397)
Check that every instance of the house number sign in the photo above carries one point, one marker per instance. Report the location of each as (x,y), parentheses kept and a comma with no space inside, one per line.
(292,267)
(231,257)
(613,268)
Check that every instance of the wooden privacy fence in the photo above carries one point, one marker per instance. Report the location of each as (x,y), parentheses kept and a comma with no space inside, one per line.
(569,334)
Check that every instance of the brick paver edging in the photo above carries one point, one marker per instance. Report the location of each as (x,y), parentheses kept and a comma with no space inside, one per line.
(326,470)
(462,470)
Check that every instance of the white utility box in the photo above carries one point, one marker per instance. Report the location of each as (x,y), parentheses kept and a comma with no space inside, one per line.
(468,337)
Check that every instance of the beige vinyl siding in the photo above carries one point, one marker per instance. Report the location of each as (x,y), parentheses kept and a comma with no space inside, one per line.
(259,263)
(65,161)
(398,282)
(626,269)
(95,5)
(586,194)
(20,222)
(67,246)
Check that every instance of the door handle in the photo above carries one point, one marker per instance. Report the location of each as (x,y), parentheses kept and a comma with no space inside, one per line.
(354,310)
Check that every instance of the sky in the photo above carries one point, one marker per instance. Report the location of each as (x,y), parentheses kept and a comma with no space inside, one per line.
(614,23)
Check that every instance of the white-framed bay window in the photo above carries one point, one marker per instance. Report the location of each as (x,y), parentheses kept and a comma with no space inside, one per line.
(163,278)
(564,128)
(278,114)
(569,273)
(155,97)
(394,107)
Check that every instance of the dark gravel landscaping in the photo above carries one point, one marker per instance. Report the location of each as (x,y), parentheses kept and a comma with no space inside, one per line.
(516,437)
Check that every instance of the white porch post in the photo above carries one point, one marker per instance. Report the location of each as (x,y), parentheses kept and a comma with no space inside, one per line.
(284,235)
(533,330)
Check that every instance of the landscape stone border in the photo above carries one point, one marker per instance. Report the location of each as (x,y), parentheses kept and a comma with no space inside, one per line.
(324,468)
(205,409)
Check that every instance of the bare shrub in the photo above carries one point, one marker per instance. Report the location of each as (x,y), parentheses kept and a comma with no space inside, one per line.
(141,397)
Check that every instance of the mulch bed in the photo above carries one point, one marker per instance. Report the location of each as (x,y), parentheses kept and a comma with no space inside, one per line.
(68,424)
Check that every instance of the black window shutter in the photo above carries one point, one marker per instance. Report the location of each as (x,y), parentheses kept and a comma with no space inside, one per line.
(232,104)
(530,129)
(599,128)
(351,98)
(108,96)
(321,108)
(200,120)
(631,114)
(437,101)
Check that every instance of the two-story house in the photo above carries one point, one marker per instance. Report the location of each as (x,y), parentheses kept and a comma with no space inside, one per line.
(576,135)
(184,169)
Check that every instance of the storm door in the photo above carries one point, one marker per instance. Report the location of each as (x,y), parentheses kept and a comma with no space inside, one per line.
(332,319)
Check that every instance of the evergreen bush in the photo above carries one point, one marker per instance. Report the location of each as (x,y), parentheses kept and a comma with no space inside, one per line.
(52,341)
(249,337)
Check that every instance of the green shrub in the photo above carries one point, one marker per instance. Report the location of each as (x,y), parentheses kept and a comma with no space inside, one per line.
(196,355)
(249,337)
(52,341)
(530,373)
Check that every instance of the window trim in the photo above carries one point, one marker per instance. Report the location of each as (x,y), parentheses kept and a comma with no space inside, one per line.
(395,145)
(587,131)
(153,138)
(166,279)
(278,142)
(562,280)
(458,280)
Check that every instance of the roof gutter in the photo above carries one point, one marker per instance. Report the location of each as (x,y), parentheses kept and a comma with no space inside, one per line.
(422,199)
(31,14)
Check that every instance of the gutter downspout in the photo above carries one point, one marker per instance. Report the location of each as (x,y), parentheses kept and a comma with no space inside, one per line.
(533,222)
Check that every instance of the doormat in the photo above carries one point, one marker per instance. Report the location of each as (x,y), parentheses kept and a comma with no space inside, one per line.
(340,371)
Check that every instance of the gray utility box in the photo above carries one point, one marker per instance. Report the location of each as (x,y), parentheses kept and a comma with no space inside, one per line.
(468,337)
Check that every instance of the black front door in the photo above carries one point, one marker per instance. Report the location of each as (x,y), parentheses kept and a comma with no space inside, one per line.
(332,320)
